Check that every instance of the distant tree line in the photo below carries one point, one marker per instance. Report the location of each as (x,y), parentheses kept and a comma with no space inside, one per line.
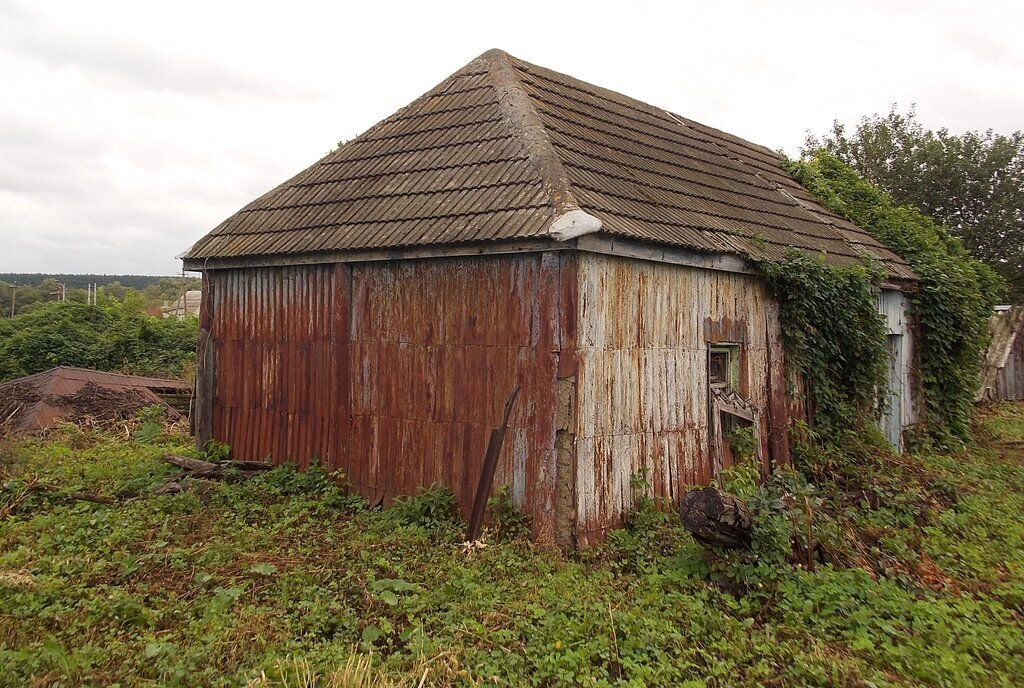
(80,281)
(139,293)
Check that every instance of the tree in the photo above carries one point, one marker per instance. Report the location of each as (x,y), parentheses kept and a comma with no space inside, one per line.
(115,290)
(972,183)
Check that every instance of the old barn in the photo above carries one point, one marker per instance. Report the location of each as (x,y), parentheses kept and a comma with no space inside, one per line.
(517,228)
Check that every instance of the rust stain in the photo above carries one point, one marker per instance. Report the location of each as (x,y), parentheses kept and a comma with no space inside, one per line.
(393,372)
(642,379)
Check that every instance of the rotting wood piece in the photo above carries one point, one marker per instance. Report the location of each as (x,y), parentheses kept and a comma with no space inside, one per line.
(483,489)
(716,518)
(197,468)
(79,496)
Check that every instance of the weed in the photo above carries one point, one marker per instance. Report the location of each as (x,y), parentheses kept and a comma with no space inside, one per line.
(266,584)
(432,508)
(507,520)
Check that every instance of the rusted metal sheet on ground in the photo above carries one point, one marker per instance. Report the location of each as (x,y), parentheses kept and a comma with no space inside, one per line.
(393,372)
(642,387)
(40,401)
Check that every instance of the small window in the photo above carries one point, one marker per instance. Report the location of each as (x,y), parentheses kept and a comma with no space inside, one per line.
(724,366)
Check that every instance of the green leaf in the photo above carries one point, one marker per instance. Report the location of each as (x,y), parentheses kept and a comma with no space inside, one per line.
(371,634)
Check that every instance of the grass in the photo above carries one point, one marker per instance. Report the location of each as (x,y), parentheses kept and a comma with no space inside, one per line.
(285,580)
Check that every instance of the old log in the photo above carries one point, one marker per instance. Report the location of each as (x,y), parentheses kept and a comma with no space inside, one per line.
(716,518)
(80,496)
(197,468)
(89,497)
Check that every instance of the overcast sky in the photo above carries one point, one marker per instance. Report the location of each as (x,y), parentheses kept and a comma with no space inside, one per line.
(128,130)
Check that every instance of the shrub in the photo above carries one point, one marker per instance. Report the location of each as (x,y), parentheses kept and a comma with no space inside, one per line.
(432,508)
(954,297)
(507,520)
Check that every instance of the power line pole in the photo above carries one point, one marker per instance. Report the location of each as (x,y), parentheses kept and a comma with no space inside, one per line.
(14,291)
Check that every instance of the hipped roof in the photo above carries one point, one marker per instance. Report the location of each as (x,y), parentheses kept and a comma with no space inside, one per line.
(504,150)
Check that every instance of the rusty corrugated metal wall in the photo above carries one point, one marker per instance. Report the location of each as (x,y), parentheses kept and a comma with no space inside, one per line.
(394,372)
(642,387)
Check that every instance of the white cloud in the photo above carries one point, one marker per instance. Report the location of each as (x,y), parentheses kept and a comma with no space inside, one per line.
(128,130)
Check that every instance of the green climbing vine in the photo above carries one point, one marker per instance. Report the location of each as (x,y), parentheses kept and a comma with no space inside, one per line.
(833,335)
(953,302)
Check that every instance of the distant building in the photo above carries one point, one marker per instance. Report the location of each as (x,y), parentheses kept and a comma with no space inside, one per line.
(1002,368)
(184,305)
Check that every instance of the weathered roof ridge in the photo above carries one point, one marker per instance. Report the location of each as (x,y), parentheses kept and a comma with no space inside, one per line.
(759,166)
(521,116)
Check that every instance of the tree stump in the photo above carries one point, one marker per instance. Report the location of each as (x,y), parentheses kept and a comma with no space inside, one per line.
(716,519)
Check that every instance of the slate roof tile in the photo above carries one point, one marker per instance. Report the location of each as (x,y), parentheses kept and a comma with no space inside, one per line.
(500,149)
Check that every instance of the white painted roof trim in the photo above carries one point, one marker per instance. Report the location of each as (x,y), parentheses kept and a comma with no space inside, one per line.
(572,224)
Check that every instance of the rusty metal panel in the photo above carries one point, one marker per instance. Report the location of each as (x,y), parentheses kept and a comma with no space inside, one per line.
(63,381)
(394,372)
(276,357)
(902,404)
(1010,379)
(644,331)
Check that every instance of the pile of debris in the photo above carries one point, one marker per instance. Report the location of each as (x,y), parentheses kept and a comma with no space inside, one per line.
(197,473)
(84,397)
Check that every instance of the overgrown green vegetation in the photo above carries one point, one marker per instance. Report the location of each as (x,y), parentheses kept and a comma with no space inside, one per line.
(833,335)
(111,336)
(952,303)
(972,183)
(868,570)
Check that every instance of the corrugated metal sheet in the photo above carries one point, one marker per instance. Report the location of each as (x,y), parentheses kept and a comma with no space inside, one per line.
(1002,375)
(642,388)
(393,372)
(901,403)
(502,147)
(63,380)
(1010,380)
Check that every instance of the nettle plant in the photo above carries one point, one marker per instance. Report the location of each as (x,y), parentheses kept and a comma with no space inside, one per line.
(836,340)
